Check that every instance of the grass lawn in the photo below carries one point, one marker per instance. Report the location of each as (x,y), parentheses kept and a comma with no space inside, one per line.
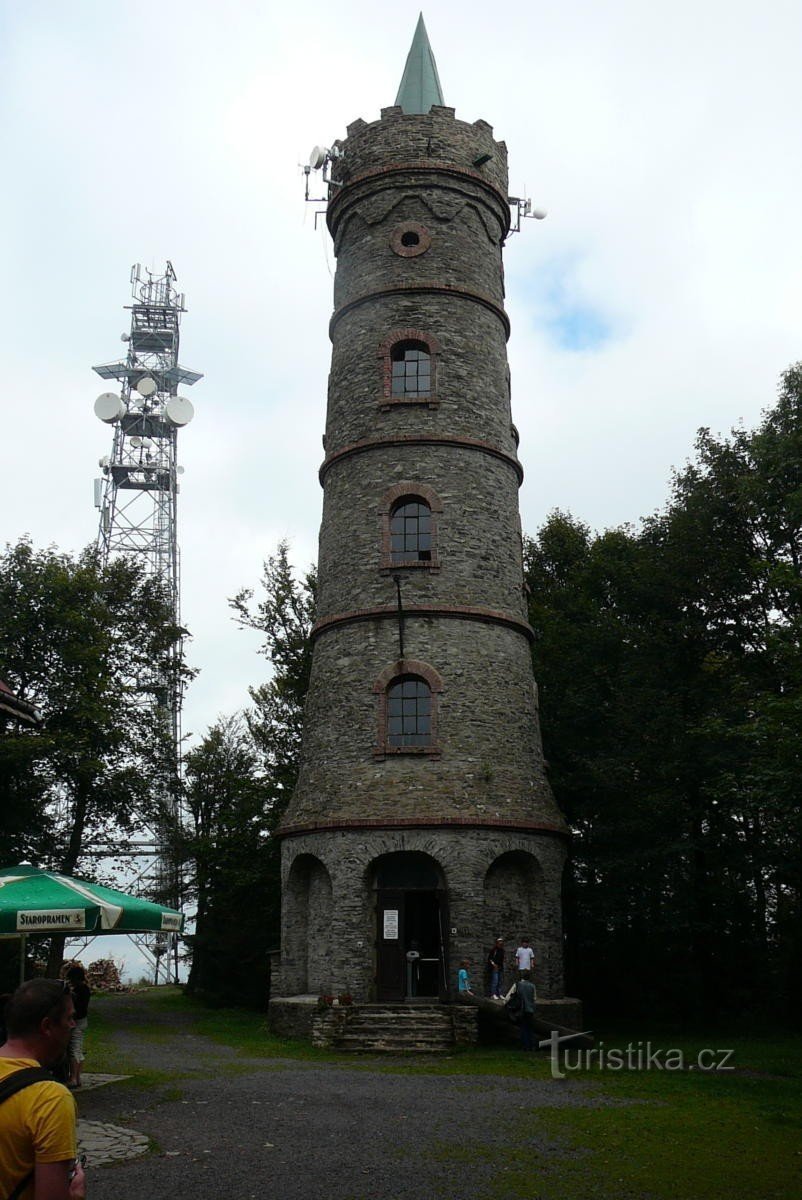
(657,1134)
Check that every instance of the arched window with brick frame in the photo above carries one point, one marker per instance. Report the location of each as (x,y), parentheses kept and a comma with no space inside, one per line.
(408,366)
(408,695)
(408,516)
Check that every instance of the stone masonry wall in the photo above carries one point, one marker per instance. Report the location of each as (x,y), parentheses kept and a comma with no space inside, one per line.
(490,762)
(479,495)
(464,857)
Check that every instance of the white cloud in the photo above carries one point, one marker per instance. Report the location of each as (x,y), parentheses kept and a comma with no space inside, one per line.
(664,143)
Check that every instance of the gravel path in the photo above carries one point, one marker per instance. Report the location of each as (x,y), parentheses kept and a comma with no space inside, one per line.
(232,1127)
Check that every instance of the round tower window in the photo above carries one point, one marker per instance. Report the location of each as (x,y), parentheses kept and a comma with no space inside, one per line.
(410,239)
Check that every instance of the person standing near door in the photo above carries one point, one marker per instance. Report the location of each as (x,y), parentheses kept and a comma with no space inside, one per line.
(525,956)
(463,982)
(495,961)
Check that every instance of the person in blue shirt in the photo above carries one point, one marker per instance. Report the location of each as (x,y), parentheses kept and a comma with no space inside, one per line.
(463,982)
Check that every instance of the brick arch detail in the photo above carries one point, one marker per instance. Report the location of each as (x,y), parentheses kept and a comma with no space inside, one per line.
(408,335)
(410,487)
(386,369)
(406,666)
(398,491)
(409,666)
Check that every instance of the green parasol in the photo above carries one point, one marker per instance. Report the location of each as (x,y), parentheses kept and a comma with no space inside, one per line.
(36,901)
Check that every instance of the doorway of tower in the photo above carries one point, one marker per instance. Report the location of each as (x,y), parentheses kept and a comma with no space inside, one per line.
(412,922)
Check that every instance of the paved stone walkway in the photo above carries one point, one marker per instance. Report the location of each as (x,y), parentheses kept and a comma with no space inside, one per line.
(104,1143)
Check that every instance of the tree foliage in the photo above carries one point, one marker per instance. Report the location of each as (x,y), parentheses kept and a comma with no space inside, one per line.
(239,781)
(284,615)
(669,666)
(80,642)
(234,865)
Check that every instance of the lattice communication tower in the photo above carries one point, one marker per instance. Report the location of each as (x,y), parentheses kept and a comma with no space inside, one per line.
(138,493)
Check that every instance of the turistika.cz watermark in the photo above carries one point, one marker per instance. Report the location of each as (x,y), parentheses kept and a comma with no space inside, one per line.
(635,1056)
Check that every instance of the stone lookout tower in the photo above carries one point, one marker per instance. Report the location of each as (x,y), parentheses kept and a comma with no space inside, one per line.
(422,820)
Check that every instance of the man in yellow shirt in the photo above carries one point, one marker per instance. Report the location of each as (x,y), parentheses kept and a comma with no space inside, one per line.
(37,1123)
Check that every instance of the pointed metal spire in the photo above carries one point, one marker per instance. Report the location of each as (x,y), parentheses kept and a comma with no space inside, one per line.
(420,84)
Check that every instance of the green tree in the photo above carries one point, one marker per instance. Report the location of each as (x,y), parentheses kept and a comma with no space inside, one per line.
(668,660)
(239,781)
(234,866)
(284,615)
(82,643)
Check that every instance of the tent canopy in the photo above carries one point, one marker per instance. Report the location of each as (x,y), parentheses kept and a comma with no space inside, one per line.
(37,901)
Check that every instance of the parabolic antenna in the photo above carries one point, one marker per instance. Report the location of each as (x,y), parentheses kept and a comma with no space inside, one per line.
(317,157)
(179,470)
(146,386)
(104,461)
(109,407)
(136,442)
(178,411)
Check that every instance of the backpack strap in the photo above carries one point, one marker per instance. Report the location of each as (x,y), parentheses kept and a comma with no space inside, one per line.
(23,1078)
(9,1087)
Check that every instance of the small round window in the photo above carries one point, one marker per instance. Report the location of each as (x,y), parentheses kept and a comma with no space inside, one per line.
(410,239)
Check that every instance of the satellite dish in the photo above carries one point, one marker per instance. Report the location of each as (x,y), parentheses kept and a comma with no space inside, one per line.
(125,337)
(178,411)
(539,213)
(146,386)
(109,407)
(104,461)
(179,470)
(136,442)
(317,157)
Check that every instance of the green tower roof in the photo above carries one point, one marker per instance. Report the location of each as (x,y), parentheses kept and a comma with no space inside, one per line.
(420,84)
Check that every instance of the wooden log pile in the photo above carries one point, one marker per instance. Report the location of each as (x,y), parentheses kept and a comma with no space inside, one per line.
(102,975)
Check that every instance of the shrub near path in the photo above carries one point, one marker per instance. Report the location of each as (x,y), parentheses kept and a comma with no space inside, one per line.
(234,1112)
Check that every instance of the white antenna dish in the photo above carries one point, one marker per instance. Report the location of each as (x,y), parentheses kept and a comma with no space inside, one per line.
(146,386)
(125,337)
(136,442)
(539,214)
(104,461)
(178,411)
(109,407)
(179,470)
(317,157)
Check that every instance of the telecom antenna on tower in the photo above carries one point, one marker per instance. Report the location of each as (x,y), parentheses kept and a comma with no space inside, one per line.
(138,492)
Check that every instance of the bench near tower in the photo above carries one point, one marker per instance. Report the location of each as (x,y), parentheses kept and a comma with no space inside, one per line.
(422,820)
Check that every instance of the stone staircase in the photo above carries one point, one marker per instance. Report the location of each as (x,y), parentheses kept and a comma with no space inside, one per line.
(403,1028)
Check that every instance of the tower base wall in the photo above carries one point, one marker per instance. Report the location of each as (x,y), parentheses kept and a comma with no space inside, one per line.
(354,899)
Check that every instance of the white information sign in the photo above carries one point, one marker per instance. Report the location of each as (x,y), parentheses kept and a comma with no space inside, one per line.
(391,924)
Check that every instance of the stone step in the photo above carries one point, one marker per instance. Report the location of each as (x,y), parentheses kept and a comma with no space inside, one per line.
(373,1035)
(406,1019)
(394,1044)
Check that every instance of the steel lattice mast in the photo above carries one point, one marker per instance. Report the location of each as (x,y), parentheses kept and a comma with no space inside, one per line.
(138,493)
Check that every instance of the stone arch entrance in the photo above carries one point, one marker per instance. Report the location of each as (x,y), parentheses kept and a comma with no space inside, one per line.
(411,927)
(308,888)
(513,894)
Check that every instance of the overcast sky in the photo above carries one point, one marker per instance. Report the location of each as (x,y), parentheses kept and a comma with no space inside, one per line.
(661,294)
